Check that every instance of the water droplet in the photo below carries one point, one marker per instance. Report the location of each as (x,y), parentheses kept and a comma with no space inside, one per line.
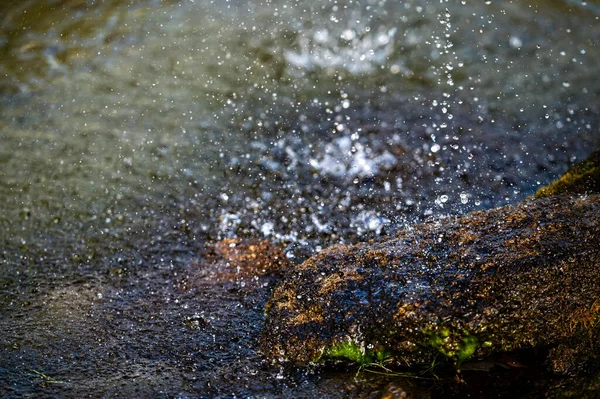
(515,42)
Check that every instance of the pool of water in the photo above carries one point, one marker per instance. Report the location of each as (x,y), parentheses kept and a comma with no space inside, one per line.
(133,134)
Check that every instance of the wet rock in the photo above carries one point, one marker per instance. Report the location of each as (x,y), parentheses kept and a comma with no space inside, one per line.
(239,260)
(583,178)
(518,277)
(399,391)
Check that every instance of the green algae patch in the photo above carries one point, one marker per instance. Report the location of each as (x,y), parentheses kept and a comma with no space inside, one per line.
(583,178)
(467,348)
(456,346)
(438,339)
(354,353)
(349,351)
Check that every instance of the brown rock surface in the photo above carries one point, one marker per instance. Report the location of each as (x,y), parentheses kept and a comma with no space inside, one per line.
(241,260)
(521,276)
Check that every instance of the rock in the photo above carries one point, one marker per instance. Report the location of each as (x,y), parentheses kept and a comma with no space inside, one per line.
(236,260)
(518,277)
(394,391)
(583,178)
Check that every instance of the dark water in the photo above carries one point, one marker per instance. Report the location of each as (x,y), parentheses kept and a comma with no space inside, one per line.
(133,134)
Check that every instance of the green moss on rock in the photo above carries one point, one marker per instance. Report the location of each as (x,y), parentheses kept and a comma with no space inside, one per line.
(349,351)
(583,178)
(355,353)
(467,348)
(456,346)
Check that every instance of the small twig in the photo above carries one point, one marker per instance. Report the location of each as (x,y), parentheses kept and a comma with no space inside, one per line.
(46,378)
(404,375)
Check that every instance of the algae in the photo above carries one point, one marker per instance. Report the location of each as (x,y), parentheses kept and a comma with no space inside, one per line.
(456,346)
(355,353)
(467,348)
(583,178)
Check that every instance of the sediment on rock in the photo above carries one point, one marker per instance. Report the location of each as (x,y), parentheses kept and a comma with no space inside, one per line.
(521,276)
(583,178)
(236,260)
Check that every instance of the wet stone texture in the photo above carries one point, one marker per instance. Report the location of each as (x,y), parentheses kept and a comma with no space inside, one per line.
(583,178)
(236,260)
(519,277)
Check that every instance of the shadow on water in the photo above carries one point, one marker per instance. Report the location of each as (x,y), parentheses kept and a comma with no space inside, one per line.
(134,134)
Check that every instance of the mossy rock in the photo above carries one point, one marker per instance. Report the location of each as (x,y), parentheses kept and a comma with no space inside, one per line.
(583,178)
(356,354)
(509,279)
